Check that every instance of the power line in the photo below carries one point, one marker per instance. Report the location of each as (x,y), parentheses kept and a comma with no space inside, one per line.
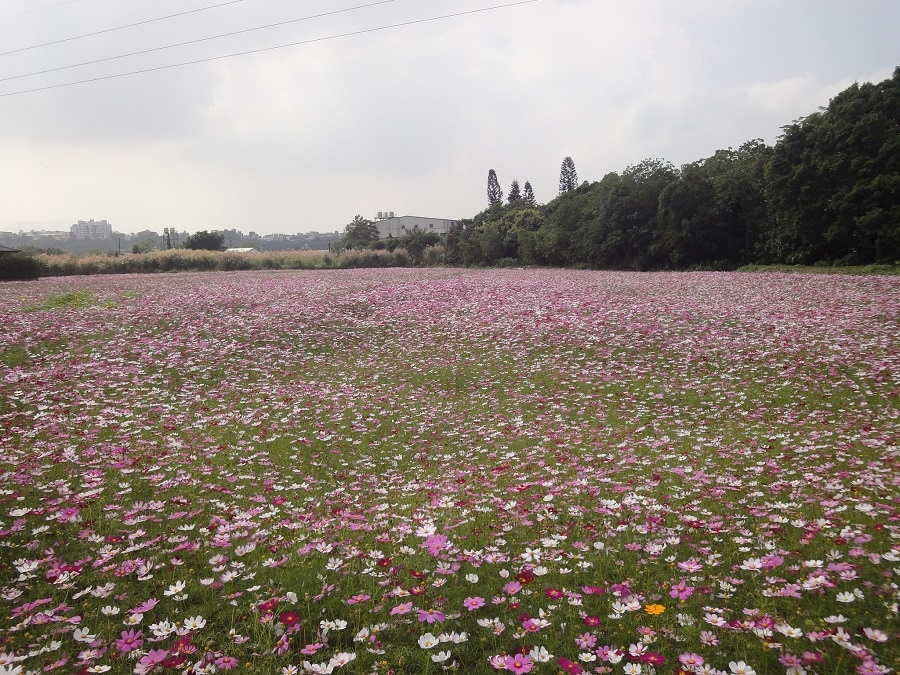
(267,49)
(39,9)
(191,42)
(112,30)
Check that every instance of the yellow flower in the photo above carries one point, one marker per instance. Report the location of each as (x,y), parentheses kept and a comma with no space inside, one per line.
(655,609)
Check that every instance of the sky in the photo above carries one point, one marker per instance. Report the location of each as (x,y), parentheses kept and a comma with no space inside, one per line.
(397,105)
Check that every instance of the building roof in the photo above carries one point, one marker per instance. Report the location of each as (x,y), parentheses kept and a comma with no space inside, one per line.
(7,249)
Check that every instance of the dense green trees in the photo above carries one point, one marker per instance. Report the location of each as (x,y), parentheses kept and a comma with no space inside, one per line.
(828,192)
(834,180)
(359,233)
(206,241)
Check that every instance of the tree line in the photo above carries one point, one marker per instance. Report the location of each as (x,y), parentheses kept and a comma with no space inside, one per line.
(827,192)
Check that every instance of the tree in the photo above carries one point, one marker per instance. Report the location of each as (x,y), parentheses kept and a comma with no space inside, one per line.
(494,193)
(528,195)
(515,193)
(834,178)
(205,241)
(568,177)
(359,233)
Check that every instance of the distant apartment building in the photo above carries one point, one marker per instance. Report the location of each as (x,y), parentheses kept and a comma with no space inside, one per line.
(91,229)
(390,225)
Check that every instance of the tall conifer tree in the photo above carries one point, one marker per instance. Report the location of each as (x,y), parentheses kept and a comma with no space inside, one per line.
(494,193)
(568,177)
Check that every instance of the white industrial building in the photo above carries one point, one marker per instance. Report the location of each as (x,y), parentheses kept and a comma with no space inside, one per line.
(390,225)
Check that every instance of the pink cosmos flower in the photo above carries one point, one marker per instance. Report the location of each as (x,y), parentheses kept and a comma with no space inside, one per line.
(512,587)
(681,591)
(518,664)
(430,615)
(154,657)
(361,597)
(586,641)
(436,543)
(593,590)
(402,609)
(309,650)
(227,662)
(690,659)
(472,604)
(144,607)
(130,640)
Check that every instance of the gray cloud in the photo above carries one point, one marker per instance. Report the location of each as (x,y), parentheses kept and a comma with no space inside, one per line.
(408,119)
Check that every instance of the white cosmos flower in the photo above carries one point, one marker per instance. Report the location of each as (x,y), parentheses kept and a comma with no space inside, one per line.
(440,657)
(845,596)
(540,655)
(428,641)
(875,634)
(341,659)
(175,588)
(741,668)
(194,622)
(83,635)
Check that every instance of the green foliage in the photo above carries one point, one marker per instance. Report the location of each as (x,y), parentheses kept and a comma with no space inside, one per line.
(72,300)
(359,233)
(834,180)
(205,241)
(15,266)
(827,193)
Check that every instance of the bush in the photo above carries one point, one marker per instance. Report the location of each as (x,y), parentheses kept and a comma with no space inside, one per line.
(14,266)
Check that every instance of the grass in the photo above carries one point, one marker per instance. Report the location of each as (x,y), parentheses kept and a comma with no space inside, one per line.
(336,458)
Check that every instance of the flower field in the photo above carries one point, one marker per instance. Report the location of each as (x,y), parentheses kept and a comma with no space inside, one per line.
(427,471)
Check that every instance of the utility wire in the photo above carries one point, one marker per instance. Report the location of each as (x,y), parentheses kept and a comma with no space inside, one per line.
(191,42)
(38,9)
(268,49)
(111,30)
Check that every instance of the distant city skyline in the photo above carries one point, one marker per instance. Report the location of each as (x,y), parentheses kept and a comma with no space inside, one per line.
(406,112)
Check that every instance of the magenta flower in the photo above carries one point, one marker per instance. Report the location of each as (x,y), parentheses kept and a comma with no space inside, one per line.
(362,597)
(130,640)
(227,662)
(472,604)
(430,615)
(519,663)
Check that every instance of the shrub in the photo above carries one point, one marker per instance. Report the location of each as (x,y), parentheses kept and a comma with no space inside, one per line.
(14,266)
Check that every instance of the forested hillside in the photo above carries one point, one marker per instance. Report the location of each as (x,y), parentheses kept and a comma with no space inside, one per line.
(828,192)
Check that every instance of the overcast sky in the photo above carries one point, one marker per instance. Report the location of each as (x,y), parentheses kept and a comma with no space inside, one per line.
(406,119)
